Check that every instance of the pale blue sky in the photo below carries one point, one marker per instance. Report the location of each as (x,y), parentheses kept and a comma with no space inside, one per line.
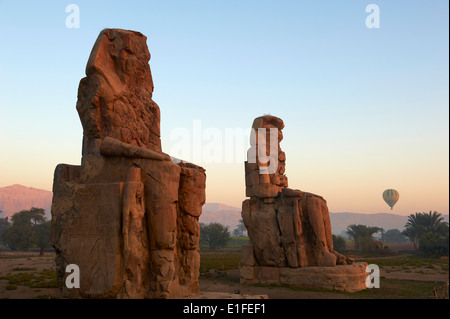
(364,109)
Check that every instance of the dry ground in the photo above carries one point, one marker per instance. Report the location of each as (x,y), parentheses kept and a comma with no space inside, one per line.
(27,268)
(390,281)
(26,276)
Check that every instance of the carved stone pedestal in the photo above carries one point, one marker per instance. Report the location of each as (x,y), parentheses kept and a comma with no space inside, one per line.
(350,278)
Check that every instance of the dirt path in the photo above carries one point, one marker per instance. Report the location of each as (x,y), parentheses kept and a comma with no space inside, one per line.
(28,263)
(230,284)
(16,264)
(418,274)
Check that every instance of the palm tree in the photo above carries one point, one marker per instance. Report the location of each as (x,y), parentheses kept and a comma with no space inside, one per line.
(362,235)
(432,222)
(413,228)
(421,223)
(352,232)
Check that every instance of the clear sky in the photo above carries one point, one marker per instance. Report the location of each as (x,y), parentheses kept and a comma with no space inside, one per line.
(365,109)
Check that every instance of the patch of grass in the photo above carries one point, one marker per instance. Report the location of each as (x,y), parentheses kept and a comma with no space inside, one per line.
(219,261)
(10,257)
(389,289)
(407,261)
(233,242)
(22,269)
(237,242)
(19,279)
(44,279)
(11,287)
(394,288)
(45,284)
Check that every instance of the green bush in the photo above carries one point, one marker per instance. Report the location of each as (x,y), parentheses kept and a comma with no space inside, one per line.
(237,242)
(339,243)
(433,244)
(29,228)
(44,279)
(214,235)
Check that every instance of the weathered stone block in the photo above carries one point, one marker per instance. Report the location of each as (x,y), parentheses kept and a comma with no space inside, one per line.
(248,259)
(128,216)
(349,278)
(265,190)
(248,275)
(269,275)
(89,235)
(254,178)
(287,227)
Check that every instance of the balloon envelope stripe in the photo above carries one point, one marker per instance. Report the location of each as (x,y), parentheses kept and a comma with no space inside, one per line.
(391,197)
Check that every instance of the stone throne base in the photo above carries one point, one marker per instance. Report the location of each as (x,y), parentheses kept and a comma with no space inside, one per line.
(350,278)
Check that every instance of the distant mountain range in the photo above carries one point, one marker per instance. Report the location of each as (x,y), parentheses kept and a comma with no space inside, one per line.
(220,213)
(230,216)
(340,221)
(16,197)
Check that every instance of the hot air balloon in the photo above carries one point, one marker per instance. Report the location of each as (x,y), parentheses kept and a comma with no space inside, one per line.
(391,197)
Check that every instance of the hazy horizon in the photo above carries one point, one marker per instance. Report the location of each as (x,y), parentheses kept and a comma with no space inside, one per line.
(365,109)
(209,204)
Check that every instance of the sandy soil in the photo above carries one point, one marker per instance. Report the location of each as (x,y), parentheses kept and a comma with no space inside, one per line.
(227,284)
(417,273)
(12,262)
(230,284)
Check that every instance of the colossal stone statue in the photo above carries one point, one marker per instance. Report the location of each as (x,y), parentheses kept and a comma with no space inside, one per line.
(288,228)
(128,216)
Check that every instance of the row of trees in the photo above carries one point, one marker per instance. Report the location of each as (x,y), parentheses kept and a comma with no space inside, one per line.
(27,229)
(428,232)
(240,230)
(215,235)
(362,235)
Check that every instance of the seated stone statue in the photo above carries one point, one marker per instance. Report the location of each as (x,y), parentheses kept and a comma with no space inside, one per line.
(128,216)
(287,227)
